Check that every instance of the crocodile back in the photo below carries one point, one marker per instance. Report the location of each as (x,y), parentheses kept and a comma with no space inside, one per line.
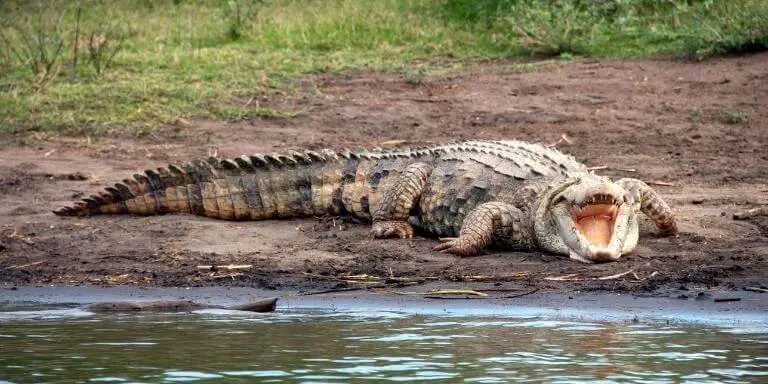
(470,173)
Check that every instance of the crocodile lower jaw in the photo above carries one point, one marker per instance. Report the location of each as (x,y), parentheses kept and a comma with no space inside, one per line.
(596,222)
(598,255)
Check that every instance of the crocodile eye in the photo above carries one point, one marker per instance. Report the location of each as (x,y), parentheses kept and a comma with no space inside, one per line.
(560,200)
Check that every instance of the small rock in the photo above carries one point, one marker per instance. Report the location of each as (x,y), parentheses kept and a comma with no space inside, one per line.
(78,176)
(682,297)
(182,122)
(703,296)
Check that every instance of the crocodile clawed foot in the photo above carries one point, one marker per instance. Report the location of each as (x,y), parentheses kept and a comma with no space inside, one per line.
(670,230)
(386,229)
(457,246)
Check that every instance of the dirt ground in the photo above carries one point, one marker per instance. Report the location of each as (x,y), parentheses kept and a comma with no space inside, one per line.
(702,128)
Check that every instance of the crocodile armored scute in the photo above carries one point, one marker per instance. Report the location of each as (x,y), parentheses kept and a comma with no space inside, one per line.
(472,194)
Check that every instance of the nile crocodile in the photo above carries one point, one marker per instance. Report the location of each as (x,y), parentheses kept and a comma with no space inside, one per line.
(511,194)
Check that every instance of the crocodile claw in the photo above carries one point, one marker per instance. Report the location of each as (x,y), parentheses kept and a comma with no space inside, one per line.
(386,229)
(457,246)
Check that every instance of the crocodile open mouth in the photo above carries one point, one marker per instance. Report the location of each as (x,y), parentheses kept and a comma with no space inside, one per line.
(595,219)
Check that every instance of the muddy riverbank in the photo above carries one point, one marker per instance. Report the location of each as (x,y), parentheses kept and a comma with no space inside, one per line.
(697,130)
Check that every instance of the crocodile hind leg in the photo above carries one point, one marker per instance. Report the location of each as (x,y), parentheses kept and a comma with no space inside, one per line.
(391,216)
(651,204)
(479,227)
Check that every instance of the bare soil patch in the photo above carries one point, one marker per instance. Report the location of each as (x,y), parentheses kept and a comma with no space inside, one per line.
(701,127)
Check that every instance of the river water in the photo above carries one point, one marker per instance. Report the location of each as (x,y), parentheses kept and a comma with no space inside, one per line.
(314,346)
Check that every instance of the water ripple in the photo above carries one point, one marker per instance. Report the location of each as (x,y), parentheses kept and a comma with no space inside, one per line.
(190,375)
(407,337)
(250,373)
(326,347)
(736,373)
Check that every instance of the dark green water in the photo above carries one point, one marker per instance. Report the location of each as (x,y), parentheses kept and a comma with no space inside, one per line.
(322,347)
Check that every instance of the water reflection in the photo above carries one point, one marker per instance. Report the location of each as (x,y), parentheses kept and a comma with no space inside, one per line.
(305,346)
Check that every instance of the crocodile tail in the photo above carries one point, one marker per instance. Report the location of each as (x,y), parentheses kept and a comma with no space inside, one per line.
(148,193)
(248,187)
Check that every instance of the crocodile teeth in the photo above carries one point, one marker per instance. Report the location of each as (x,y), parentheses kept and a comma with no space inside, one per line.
(600,199)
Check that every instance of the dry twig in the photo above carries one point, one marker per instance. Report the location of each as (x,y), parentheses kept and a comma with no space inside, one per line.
(563,138)
(756,289)
(391,143)
(345,279)
(569,277)
(573,276)
(13,234)
(726,299)
(754,212)
(231,275)
(661,183)
(516,275)
(446,292)
(370,279)
(601,167)
(228,267)
(520,294)
(483,297)
(26,265)
(616,276)
(340,289)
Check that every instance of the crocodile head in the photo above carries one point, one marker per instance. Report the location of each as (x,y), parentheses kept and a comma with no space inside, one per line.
(588,218)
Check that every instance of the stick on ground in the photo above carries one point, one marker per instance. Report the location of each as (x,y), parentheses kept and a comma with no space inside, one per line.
(661,183)
(343,289)
(616,276)
(445,292)
(520,294)
(754,212)
(570,277)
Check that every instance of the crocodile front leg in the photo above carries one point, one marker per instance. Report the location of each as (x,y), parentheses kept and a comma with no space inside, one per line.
(480,225)
(391,216)
(651,204)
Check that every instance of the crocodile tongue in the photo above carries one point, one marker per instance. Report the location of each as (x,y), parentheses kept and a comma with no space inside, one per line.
(595,222)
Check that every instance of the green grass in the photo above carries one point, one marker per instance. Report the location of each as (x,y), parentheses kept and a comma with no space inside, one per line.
(206,59)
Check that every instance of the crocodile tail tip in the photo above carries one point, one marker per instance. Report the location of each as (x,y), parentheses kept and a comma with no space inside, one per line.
(76,210)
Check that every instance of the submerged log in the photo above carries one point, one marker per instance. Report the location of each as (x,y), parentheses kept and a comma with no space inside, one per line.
(266,305)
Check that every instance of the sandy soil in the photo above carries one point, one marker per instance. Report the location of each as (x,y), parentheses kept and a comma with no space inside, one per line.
(700,127)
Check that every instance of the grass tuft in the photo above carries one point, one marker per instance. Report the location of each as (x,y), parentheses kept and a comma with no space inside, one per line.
(734,117)
(151,63)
